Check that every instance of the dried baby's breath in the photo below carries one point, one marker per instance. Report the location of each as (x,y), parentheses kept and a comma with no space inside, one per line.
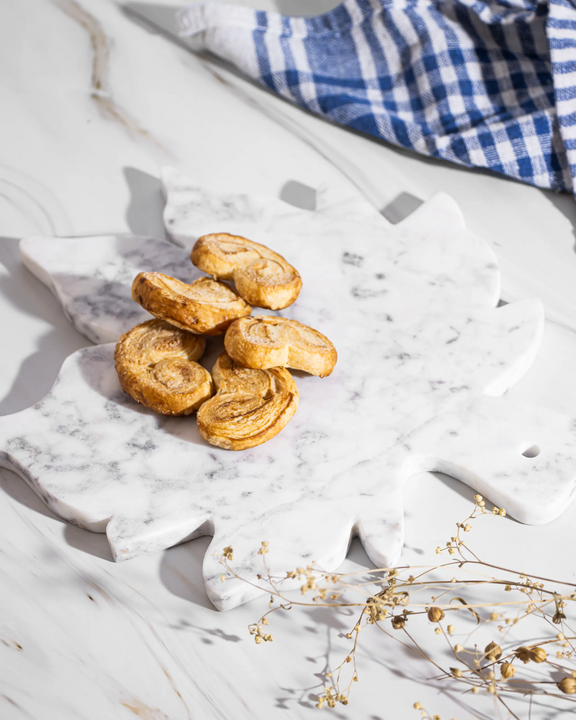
(400,602)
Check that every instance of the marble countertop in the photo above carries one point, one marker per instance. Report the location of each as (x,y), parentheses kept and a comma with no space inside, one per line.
(101,94)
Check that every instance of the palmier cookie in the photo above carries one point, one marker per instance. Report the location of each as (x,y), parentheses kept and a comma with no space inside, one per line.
(205,307)
(262,277)
(266,341)
(155,365)
(250,407)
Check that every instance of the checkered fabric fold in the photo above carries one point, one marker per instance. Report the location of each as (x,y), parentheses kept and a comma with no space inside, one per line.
(482,83)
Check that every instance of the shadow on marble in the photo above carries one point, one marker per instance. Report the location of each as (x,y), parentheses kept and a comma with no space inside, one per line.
(330,623)
(564,202)
(208,636)
(401,207)
(181,573)
(91,543)
(155,19)
(38,371)
(16,488)
(456,486)
(305,8)
(164,16)
(299,195)
(144,213)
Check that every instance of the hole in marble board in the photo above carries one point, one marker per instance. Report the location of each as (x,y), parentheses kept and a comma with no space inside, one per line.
(298,194)
(532,452)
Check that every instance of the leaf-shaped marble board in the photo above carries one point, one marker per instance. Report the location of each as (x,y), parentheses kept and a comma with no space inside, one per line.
(424,356)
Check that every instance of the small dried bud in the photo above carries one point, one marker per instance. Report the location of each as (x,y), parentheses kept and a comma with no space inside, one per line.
(507,670)
(435,614)
(458,648)
(478,498)
(418,706)
(493,652)
(502,512)
(567,685)
(538,654)
(467,527)
(450,629)
(524,654)
(398,622)
(456,672)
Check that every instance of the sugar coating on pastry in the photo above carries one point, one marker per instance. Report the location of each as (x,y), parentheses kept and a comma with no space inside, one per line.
(266,341)
(156,366)
(205,307)
(250,406)
(262,277)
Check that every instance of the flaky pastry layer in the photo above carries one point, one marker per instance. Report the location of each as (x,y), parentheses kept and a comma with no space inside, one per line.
(205,307)
(250,406)
(156,366)
(266,341)
(262,277)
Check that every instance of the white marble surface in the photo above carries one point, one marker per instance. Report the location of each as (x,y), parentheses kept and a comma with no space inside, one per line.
(85,161)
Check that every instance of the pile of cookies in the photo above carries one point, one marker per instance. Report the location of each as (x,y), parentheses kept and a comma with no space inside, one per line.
(250,395)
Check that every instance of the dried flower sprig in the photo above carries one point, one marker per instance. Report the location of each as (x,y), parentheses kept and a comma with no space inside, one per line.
(395,600)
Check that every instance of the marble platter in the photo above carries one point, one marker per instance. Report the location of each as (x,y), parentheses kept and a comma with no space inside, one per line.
(425,357)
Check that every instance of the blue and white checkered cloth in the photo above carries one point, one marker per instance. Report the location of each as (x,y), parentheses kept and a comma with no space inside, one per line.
(483,83)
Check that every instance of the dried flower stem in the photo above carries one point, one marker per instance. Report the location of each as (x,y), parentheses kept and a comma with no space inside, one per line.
(388,602)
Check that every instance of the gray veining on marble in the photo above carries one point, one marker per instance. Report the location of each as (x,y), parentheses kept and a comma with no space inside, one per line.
(92,277)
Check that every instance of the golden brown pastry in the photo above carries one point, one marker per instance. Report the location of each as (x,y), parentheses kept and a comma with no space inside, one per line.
(205,307)
(155,365)
(250,407)
(262,277)
(266,341)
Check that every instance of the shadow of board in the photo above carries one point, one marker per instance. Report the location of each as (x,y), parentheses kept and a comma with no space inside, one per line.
(37,373)
(146,207)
